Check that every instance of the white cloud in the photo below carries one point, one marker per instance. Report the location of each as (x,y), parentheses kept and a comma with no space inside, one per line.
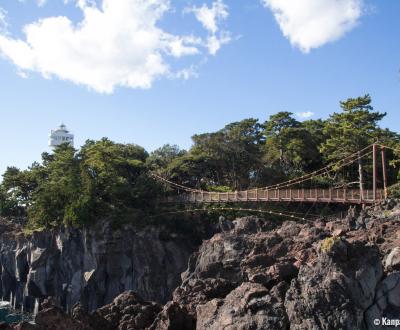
(3,20)
(118,43)
(313,23)
(211,17)
(305,114)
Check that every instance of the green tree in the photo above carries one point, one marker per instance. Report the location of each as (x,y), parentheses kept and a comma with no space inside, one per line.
(290,147)
(231,156)
(59,189)
(351,130)
(113,174)
(160,159)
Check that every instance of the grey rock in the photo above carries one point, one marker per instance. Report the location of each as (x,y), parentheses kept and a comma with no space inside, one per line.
(334,292)
(386,303)
(93,265)
(392,260)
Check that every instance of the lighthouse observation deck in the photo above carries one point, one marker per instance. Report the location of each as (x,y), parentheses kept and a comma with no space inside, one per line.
(60,135)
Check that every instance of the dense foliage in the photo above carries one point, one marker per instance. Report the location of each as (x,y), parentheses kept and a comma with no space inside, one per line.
(107,179)
(103,179)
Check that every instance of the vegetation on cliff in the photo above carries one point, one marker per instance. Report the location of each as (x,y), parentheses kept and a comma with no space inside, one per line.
(108,179)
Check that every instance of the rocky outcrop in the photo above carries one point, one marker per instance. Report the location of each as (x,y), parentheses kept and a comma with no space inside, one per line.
(336,289)
(255,274)
(249,306)
(173,316)
(325,274)
(386,303)
(129,311)
(92,265)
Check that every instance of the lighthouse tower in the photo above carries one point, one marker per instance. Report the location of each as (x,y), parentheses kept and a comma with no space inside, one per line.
(60,135)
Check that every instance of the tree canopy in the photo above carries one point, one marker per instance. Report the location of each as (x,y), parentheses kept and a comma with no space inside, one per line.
(105,179)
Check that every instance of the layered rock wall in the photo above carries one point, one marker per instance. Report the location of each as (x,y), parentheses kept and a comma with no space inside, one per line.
(92,266)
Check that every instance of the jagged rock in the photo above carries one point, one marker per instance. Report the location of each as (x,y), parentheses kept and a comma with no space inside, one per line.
(251,225)
(130,311)
(225,225)
(250,306)
(89,321)
(263,253)
(54,318)
(335,291)
(198,291)
(392,261)
(338,227)
(249,250)
(283,270)
(386,302)
(127,312)
(172,317)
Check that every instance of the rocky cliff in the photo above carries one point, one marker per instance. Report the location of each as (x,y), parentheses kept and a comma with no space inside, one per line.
(92,266)
(261,274)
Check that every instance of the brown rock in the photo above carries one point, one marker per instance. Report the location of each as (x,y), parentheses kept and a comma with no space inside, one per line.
(129,311)
(172,317)
(54,318)
(250,306)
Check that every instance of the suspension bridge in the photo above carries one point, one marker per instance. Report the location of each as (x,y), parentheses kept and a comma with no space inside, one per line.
(289,191)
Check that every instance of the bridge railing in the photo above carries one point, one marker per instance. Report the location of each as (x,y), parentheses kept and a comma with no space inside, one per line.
(350,196)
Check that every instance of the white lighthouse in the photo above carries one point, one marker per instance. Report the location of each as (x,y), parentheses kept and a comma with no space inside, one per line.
(60,135)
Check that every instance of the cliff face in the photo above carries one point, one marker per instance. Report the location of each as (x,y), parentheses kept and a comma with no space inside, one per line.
(252,274)
(91,266)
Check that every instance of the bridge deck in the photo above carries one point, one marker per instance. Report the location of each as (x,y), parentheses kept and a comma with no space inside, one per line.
(347,196)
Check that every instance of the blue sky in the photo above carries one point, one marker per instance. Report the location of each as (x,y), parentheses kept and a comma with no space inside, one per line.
(260,66)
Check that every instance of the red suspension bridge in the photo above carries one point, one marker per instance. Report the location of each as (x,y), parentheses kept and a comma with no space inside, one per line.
(289,191)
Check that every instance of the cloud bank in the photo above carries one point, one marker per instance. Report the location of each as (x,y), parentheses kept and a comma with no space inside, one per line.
(118,43)
(311,24)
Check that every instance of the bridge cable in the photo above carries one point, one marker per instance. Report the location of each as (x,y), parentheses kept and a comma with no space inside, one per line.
(323,171)
(282,214)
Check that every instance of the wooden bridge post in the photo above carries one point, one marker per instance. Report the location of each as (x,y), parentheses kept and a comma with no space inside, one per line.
(384,173)
(374,170)
(361,177)
(257,194)
(267,194)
